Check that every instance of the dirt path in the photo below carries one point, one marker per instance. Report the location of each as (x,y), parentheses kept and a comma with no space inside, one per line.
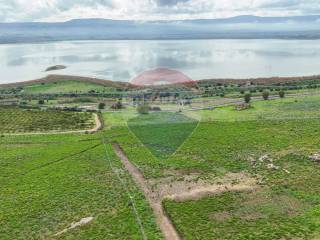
(190,188)
(98,125)
(163,220)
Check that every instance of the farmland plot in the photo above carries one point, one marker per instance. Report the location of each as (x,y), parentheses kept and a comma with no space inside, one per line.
(49,182)
(16,120)
(277,152)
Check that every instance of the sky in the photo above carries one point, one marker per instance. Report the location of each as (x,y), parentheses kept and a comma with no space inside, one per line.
(63,10)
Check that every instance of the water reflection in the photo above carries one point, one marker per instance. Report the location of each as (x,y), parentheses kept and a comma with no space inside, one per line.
(123,60)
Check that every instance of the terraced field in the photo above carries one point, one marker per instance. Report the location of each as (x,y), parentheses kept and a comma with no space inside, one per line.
(16,120)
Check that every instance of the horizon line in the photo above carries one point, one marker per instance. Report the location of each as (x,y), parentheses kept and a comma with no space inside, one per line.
(164,20)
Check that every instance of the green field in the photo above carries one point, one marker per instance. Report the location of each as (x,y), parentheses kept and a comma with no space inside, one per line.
(288,108)
(51,181)
(16,120)
(63,87)
(286,203)
(150,131)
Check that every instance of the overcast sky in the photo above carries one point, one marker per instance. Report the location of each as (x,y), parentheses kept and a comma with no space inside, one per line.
(62,10)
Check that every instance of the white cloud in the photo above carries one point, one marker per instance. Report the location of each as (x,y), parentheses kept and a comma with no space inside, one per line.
(61,10)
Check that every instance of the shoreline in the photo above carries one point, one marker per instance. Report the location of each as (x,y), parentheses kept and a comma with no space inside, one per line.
(105,82)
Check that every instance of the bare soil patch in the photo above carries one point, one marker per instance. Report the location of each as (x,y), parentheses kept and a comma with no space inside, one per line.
(82,222)
(193,187)
(181,188)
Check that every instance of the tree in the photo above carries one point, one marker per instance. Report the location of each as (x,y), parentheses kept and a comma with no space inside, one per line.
(247,97)
(265,95)
(102,105)
(281,94)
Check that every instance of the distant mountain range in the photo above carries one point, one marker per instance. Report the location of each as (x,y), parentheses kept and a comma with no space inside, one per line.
(243,27)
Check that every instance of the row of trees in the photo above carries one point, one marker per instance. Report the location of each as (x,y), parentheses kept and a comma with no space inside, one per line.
(265,95)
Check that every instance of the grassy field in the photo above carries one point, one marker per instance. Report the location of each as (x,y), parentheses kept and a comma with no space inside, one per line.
(16,120)
(150,131)
(286,203)
(49,182)
(288,108)
(63,87)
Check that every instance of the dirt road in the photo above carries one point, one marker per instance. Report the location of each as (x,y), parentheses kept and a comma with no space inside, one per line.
(163,220)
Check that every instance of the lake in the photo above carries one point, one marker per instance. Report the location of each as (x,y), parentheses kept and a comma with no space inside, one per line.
(199,59)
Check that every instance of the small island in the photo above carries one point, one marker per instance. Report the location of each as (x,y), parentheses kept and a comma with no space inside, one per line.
(56,67)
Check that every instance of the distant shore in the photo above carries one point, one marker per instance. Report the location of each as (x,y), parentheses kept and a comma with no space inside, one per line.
(104,82)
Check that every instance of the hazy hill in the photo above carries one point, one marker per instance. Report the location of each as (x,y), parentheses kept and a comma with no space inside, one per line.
(301,27)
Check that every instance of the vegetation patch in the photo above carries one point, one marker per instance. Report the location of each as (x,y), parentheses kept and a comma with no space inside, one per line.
(49,182)
(16,120)
(63,87)
(163,133)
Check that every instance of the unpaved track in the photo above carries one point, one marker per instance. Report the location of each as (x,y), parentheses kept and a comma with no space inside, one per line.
(156,191)
(163,220)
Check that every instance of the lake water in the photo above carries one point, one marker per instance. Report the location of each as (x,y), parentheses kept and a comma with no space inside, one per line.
(199,59)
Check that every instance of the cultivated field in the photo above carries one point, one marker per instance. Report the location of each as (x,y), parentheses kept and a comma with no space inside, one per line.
(49,182)
(207,174)
(248,179)
(17,120)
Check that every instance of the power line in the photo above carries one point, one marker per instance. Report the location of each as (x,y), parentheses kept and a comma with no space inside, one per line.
(125,186)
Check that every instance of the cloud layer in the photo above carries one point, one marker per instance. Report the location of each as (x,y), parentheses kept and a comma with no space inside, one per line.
(61,10)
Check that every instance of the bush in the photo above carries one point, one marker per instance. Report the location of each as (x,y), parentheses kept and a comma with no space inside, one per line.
(243,106)
(117,105)
(143,109)
(281,94)
(247,97)
(102,105)
(265,95)
(41,102)
(155,109)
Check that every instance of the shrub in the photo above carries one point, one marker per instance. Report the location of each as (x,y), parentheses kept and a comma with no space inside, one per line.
(83,100)
(143,109)
(102,105)
(117,105)
(281,94)
(41,102)
(155,109)
(247,97)
(242,106)
(265,95)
